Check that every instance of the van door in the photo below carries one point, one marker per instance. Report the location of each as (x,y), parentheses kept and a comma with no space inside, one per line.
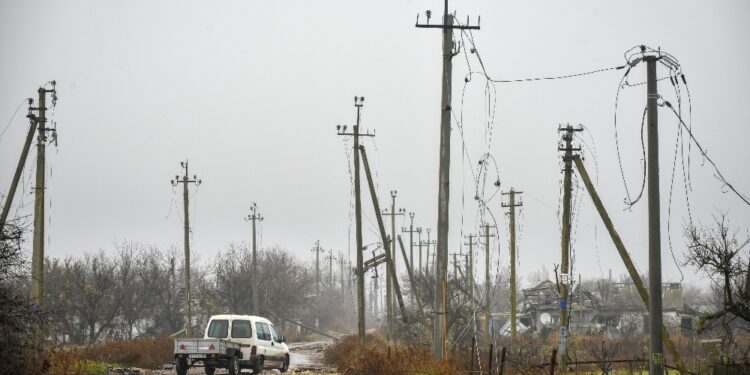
(242,333)
(266,340)
(278,347)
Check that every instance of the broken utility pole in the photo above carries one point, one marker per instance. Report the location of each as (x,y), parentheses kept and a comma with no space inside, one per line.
(386,239)
(185,181)
(358,103)
(513,285)
(254,216)
(565,277)
(625,256)
(441,271)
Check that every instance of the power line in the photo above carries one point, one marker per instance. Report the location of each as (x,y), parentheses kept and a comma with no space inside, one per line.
(548,78)
(12,117)
(718,175)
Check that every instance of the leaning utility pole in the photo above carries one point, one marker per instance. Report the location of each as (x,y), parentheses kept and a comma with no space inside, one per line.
(441,285)
(358,103)
(317,251)
(37,259)
(19,169)
(567,137)
(254,216)
(392,250)
(487,282)
(513,285)
(656,361)
(411,247)
(470,266)
(185,181)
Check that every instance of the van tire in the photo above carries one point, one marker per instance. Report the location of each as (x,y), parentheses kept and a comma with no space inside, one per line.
(285,366)
(233,365)
(210,370)
(181,367)
(258,366)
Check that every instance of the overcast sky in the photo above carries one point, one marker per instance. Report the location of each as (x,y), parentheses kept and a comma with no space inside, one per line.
(251,93)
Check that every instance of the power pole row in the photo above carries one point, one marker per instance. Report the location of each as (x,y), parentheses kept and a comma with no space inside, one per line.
(487,284)
(317,251)
(511,205)
(392,250)
(185,181)
(411,231)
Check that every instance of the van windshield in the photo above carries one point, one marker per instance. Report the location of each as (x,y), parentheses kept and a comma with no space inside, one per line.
(218,329)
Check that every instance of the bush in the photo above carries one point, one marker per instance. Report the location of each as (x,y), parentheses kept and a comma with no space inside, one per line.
(377,357)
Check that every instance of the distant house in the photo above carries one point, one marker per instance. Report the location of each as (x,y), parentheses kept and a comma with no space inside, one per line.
(540,306)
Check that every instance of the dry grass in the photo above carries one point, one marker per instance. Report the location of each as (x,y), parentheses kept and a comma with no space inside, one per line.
(148,353)
(379,358)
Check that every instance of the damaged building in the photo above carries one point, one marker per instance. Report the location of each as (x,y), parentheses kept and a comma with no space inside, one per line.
(611,308)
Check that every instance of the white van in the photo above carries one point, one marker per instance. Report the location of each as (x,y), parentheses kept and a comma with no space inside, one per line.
(260,345)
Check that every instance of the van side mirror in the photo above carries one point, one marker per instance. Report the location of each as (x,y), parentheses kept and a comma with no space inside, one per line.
(282,339)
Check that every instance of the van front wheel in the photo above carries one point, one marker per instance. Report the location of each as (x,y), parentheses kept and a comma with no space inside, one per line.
(285,366)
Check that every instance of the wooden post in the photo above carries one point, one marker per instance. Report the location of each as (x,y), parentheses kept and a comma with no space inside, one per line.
(473,345)
(502,361)
(553,362)
(489,363)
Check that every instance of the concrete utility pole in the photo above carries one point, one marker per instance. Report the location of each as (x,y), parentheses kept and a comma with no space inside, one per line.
(317,250)
(254,216)
(654,221)
(358,103)
(411,246)
(568,148)
(330,258)
(419,247)
(37,258)
(185,181)
(455,265)
(487,284)
(441,285)
(388,280)
(19,168)
(513,285)
(428,243)
(470,265)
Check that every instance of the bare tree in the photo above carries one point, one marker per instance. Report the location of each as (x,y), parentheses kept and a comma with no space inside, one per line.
(20,323)
(717,252)
(233,274)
